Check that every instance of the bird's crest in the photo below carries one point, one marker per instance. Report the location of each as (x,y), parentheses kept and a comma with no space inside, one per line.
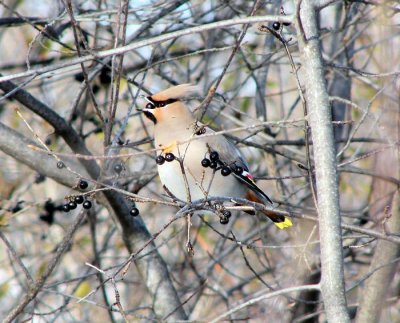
(176,92)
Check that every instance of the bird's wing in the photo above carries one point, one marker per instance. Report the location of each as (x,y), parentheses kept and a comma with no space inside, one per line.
(230,155)
(228,152)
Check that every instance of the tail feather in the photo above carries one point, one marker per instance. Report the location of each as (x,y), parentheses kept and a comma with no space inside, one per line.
(279,219)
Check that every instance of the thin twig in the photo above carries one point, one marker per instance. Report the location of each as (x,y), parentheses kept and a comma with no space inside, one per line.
(35,289)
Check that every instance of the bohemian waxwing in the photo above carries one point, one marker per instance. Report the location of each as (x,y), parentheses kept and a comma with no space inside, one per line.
(213,166)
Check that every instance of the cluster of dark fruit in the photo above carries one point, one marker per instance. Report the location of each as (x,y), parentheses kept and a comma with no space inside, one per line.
(50,208)
(169,157)
(86,204)
(225,216)
(215,163)
(79,199)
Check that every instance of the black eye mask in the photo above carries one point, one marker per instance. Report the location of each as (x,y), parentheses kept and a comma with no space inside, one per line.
(155,104)
(158,104)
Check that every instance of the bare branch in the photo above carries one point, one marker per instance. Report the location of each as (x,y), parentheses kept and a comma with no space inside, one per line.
(266,296)
(147,42)
(34,290)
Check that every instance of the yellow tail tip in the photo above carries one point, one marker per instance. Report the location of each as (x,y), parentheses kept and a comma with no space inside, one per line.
(285,224)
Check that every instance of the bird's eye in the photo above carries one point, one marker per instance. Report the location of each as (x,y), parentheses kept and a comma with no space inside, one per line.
(150,106)
(161,104)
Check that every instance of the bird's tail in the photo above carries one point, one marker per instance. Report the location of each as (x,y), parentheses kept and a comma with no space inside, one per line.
(280,220)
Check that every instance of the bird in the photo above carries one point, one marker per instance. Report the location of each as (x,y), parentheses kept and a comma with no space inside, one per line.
(196,163)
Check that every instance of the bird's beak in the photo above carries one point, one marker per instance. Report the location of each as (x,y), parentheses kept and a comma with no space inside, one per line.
(142,96)
(146,98)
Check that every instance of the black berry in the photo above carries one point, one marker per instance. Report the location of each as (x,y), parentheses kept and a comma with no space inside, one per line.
(39,178)
(87,205)
(105,75)
(225,171)
(72,205)
(276,25)
(213,165)
(79,77)
(214,156)
(78,199)
(60,164)
(59,207)
(95,88)
(134,211)
(83,184)
(65,208)
(238,170)
(205,162)
(169,157)
(49,206)
(227,214)
(118,168)
(224,220)
(48,218)
(160,160)
(17,207)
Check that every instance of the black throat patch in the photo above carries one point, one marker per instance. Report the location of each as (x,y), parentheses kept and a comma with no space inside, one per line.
(150,116)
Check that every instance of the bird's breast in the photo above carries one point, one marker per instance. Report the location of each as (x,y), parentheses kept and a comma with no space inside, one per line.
(188,180)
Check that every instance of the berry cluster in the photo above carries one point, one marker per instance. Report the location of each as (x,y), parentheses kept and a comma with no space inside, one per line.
(73,204)
(169,157)
(224,218)
(78,199)
(215,163)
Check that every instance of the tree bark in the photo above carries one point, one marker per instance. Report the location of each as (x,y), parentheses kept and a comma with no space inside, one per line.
(320,119)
